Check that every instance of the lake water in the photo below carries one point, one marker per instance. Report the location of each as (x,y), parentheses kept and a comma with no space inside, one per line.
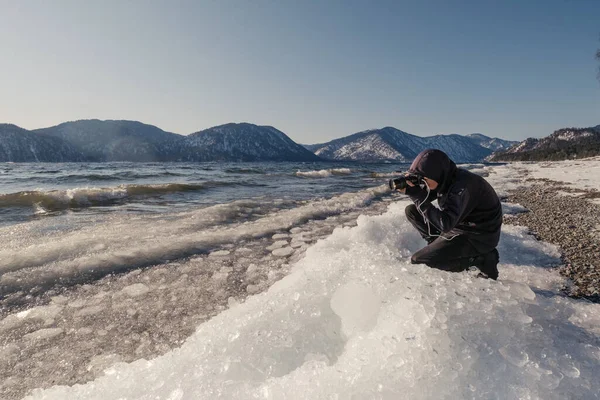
(63,224)
(29,191)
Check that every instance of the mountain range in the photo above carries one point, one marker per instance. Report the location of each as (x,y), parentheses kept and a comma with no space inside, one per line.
(562,144)
(391,144)
(100,141)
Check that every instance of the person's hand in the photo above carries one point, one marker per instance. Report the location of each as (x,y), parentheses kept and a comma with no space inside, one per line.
(409,183)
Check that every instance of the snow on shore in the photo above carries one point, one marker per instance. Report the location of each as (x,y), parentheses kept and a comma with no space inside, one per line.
(355,320)
(580,174)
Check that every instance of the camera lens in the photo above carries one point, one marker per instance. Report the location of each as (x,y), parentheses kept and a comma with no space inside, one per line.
(398,183)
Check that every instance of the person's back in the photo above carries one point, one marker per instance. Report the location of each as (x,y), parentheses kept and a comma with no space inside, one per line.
(482,224)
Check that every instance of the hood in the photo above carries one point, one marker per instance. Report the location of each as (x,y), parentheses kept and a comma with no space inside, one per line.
(435,164)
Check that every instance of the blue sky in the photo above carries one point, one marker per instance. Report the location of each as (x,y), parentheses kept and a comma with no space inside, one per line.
(317,70)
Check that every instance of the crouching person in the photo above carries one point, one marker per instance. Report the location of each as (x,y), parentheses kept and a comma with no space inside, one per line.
(464,231)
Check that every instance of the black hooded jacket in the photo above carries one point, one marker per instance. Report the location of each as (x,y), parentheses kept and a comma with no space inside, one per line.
(468,205)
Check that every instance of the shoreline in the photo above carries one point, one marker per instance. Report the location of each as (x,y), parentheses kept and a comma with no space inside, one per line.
(565,217)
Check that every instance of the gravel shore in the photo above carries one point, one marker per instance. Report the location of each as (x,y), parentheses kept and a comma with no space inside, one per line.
(567,218)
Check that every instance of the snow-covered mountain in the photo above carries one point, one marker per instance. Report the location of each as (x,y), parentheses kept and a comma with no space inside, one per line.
(391,144)
(245,142)
(494,144)
(118,140)
(20,145)
(562,144)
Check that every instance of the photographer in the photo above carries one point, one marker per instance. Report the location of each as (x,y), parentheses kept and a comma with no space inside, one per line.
(465,230)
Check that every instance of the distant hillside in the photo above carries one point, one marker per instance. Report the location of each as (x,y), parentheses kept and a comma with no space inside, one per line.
(20,145)
(96,140)
(246,142)
(563,144)
(494,144)
(118,140)
(391,144)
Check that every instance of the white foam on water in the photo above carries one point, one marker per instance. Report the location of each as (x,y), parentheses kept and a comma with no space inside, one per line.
(355,320)
(63,199)
(82,197)
(384,174)
(324,173)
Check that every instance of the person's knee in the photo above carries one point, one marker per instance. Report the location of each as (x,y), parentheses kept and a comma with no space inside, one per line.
(411,211)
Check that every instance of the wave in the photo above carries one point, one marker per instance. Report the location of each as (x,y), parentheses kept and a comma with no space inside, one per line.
(137,190)
(196,168)
(384,174)
(127,175)
(56,200)
(245,171)
(90,177)
(324,173)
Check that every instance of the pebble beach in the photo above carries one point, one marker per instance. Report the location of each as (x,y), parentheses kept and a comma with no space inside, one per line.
(570,219)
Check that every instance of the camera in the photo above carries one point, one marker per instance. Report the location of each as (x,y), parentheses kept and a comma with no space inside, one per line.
(400,183)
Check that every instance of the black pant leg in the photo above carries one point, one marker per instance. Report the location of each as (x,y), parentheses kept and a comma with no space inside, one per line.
(416,220)
(453,255)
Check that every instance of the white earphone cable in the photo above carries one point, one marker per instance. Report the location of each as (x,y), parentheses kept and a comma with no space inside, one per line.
(425,218)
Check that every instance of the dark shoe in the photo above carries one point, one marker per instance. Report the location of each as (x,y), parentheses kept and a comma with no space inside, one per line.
(482,276)
(488,264)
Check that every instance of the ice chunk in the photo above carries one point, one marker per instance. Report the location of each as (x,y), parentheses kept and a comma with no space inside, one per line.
(59,300)
(101,362)
(253,289)
(84,331)
(514,354)
(219,253)
(278,244)
(42,334)
(512,208)
(85,312)
(357,306)
(521,290)
(46,314)
(296,244)
(77,303)
(9,351)
(283,252)
(135,290)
